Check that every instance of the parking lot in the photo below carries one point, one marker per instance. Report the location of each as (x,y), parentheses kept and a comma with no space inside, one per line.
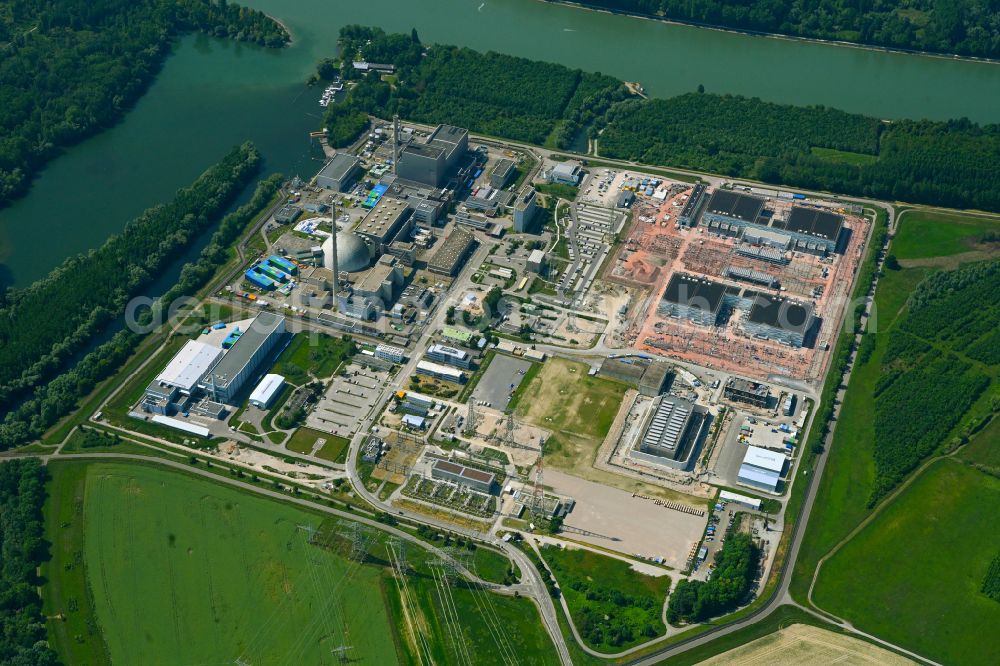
(727,464)
(495,386)
(347,401)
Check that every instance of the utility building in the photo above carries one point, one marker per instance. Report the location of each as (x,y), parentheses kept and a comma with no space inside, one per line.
(670,433)
(502,173)
(476,479)
(726,206)
(524,210)
(692,298)
(266,391)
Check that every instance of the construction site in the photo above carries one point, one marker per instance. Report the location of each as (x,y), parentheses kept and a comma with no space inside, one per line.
(776,275)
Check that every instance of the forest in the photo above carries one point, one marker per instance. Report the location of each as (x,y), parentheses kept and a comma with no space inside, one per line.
(69,68)
(930,376)
(57,398)
(950,164)
(490,93)
(89,290)
(22,545)
(730,586)
(963,27)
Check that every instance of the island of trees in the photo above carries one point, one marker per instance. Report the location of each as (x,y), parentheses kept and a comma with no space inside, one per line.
(71,67)
(964,27)
(730,586)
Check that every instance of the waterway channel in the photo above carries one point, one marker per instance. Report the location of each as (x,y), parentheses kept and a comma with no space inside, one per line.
(213,94)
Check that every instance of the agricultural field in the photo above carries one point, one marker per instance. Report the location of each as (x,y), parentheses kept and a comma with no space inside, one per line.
(802,644)
(613,606)
(930,234)
(233,576)
(557,399)
(943,533)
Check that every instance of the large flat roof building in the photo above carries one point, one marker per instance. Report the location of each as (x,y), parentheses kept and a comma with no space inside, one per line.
(382,282)
(189,365)
(814,230)
(439,371)
(502,172)
(429,163)
(449,258)
(224,381)
(729,205)
(339,173)
(780,319)
(383,222)
(693,298)
(670,434)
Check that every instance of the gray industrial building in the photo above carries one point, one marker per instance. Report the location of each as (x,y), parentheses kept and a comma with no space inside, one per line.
(670,434)
(652,377)
(476,479)
(451,255)
(566,173)
(732,207)
(386,221)
(780,319)
(224,381)
(524,210)
(430,162)
(502,173)
(692,298)
(339,173)
(743,390)
(689,213)
(382,283)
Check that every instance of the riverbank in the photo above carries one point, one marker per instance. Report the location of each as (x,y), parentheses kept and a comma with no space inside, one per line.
(773,35)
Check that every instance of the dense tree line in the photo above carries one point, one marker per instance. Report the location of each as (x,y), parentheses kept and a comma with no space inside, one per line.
(965,27)
(22,549)
(491,93)
(71,67)
(52,400)
(927,384)
(991,581)
(941,163)
(730,586)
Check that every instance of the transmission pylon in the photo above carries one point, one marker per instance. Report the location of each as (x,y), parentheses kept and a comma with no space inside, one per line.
(398,548)
(470,417)
(360,539)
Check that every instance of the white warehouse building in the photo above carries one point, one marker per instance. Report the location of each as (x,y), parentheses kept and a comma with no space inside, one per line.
(266,391)
(762,468)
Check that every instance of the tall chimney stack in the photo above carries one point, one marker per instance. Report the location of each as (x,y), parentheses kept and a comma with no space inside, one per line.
(395,142)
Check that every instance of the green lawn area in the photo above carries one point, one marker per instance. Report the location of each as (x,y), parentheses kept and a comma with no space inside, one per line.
(613,606)
(843,156)
(230,576)
(925,234)
(303,440)
(493,566)
(315,353)
(913,575)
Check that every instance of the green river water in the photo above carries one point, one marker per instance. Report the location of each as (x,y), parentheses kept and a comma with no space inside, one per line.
(213,94)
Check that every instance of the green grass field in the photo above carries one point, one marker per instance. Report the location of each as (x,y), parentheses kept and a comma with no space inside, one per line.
(913,575)
(984,449)
(229,576)
(335,449)
(925,234)
(613,606)
(155,566)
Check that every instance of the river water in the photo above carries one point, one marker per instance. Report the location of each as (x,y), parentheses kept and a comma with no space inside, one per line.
(214,93)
